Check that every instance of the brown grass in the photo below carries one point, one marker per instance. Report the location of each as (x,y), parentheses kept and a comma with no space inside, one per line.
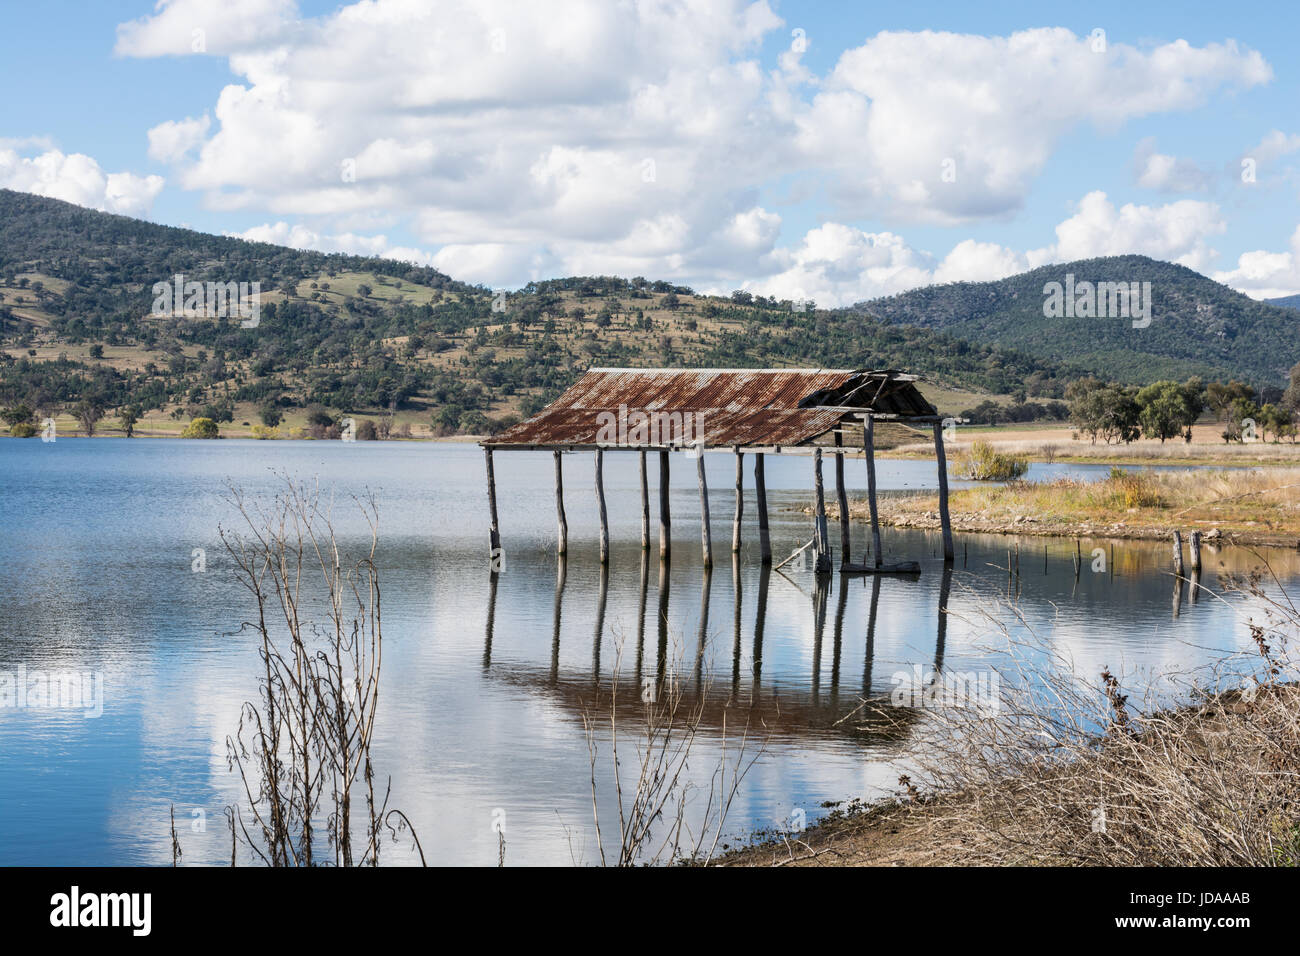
(1061,443)
(1066,771)
(1252,505)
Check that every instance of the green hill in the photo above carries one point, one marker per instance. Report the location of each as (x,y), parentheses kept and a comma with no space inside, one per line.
(1198,327)
(361,335)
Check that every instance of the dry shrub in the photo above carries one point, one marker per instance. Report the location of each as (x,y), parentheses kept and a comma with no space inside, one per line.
(982,463)
(1128,489)
(303,747)
(1069,772)
(657,821)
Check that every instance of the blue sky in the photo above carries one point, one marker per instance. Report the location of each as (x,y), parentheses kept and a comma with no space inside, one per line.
(792,148)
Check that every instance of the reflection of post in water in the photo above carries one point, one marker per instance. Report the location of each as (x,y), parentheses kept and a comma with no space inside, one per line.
(1078,566)
(491,618)
(760,616)
(821,592)
(735,640)
(706,585)
(1194,584)
(945,586)
(561,573)
(1178,595)
(871,635)
(664,568)
(839,634)
(640,613)
(600,622)
(1017,570)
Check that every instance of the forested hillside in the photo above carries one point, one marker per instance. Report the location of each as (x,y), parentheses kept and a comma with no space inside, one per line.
(1197,327)
(353,334)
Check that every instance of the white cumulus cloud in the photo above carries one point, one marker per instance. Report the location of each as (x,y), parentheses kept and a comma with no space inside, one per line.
(838,265)
(1266,275)
(1165,173)
(1178,231)
(581,135)
(171,141)
(77,178)
(184,27)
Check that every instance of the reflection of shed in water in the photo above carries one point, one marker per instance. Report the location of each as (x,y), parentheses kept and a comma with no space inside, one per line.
(777,411)
(832,702)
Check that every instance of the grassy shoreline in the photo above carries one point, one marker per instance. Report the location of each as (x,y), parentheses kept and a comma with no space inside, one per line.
(1203,784)
(1249,507)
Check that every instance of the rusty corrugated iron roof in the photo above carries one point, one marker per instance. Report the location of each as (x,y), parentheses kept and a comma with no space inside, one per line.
(657,408)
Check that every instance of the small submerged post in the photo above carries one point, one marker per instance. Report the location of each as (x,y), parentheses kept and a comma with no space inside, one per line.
(494,531)
(842,499)
(943,492)
(600,500)
(760,495)
(1194,547)
(559,506)
(665,541)
(1178,553)
(740,501)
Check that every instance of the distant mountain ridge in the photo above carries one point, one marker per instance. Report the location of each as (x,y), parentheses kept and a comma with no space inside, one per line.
(1286,301)
(78,320)
(1198,326)
(374,336)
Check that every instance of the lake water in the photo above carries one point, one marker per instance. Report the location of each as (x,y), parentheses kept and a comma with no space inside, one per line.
(485,685)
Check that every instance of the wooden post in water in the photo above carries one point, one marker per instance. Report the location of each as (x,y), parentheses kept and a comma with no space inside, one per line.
(822,563)
(706,534)
(665,541)
(735,627)
(740,501)
(760,495)
(494,530)
(842,499)
(869,447)
(943,492)
(600,501)
(559,506)
(1178,553)
(645,506)
(1194,546)
(491,619)
(561,572)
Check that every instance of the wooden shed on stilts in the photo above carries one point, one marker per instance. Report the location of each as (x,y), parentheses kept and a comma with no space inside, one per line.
(728,411)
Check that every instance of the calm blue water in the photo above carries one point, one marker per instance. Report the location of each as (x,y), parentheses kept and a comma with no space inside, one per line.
(97,557)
